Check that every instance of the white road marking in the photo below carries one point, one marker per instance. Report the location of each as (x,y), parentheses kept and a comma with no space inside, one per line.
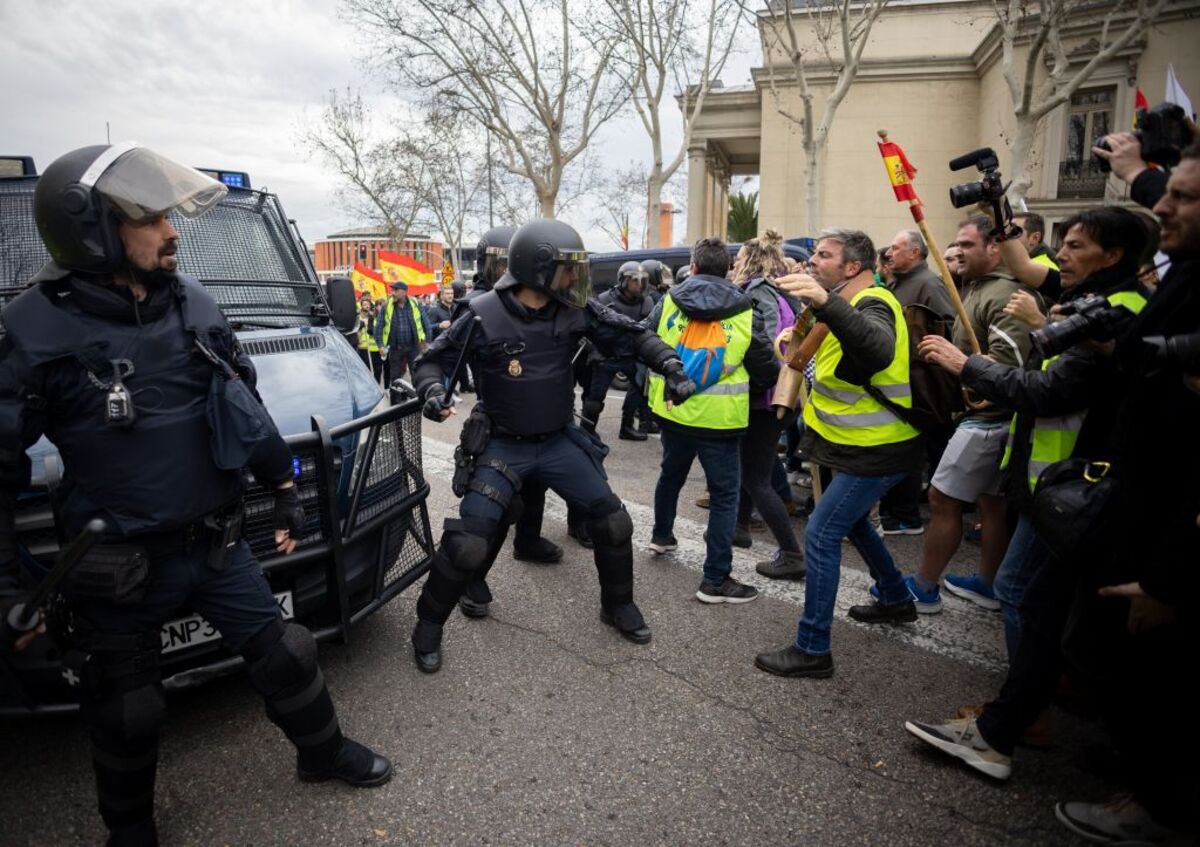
(962,631)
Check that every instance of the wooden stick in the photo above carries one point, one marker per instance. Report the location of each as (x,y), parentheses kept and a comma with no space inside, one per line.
(918,213)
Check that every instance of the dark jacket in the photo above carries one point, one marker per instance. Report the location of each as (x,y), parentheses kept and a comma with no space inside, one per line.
(764,329)
(1077,380)
(636,310)
(922,287)
(1158,542)
(867,333)
(438,313)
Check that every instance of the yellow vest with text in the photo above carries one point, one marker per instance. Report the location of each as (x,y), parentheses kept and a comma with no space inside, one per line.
(726,403)
(844,413)
(416,316)
(1054,439)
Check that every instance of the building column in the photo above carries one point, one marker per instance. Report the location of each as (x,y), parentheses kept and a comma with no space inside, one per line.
(719,211)
(698,196)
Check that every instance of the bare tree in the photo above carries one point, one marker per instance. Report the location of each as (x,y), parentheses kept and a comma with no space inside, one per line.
(835,32)
(1040,27)
(519,67)
(458,177)
(681,42)
(616,206)
(385,180)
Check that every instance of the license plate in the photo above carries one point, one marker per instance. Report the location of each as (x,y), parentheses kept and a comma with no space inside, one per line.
(193,630)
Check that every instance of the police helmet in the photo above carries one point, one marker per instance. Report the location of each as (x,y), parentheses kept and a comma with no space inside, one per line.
(632,271)
(459,289)
(548,255)
(654,270)
(683,274)
(491,256)
(84,195)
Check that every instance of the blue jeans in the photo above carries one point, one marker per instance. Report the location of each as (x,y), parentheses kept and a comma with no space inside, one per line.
(1026,554)
(844,512)
(722,469)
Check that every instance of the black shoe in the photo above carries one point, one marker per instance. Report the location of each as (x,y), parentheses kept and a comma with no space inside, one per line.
(741,536)
(628,620)
(354,764)
(659,546)
(876,613)
(628,433)
(472,608)
(580,534)
(792,662)
(729,591)
(427,646)
(140,834)
(543,551)
(649,427)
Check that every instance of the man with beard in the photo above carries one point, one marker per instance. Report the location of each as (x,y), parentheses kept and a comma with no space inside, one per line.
(110,354)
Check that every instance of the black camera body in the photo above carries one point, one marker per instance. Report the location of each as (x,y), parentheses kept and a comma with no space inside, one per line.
(990,186)
(1162,132)
(1092,319)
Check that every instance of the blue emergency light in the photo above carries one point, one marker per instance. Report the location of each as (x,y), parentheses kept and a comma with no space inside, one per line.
(234,179)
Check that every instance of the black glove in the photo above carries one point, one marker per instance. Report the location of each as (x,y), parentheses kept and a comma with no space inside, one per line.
(289,514)
(679,385)
(435,403)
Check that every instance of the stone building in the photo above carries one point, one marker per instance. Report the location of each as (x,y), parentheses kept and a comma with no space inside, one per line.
(932,74)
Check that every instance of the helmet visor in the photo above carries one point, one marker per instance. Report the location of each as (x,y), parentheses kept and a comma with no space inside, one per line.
(494,263)
(143,185)
(571,283)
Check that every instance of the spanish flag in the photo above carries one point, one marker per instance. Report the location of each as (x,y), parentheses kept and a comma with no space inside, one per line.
(368,282)
(398,268)
(900,171)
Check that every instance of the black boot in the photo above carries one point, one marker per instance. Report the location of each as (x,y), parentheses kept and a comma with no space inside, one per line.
(542,551)
(354,764)
(629,432)
(580,534)
(649,426)
(140,834)
(627,619)
(427,646)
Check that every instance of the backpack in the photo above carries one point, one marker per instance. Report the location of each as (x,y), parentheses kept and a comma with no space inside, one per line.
(701,348)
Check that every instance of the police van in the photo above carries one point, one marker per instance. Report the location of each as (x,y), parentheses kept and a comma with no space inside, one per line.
(356,449)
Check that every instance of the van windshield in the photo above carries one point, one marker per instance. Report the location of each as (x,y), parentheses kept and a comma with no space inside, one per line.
(244,250)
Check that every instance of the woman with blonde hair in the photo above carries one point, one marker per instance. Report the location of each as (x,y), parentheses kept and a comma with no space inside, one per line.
(759,261)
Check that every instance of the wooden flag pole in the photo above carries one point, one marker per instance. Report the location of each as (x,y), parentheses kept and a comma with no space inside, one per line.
(918,212)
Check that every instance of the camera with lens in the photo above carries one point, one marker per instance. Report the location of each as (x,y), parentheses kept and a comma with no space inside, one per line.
(1093,319)
(1180,351)
(988,189)
(1162,132)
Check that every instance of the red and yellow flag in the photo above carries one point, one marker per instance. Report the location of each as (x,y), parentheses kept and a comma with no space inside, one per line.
(900,171)
(398,268)
(368,282)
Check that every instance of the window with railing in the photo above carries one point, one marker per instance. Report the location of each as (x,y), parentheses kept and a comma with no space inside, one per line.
(1090,118)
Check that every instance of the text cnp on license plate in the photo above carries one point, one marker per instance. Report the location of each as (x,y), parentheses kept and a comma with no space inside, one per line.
(193,630)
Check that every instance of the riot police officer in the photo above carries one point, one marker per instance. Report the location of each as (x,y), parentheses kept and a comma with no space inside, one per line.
(112,354)
(628,297)
(521,337)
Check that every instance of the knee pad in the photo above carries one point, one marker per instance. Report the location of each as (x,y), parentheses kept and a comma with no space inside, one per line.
(281,657)
(125,716)
(611,529)
(462,554)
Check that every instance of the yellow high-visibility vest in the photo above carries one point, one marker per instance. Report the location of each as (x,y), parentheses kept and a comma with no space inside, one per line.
(725,404)
(844,413)
(416,316)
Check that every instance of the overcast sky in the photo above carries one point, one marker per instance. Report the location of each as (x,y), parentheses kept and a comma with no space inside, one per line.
(211,83)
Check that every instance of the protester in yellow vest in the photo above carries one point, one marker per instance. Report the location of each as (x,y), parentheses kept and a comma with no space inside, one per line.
(854,425)
(401,331)
(368,347)
(1065,406)
(707,321)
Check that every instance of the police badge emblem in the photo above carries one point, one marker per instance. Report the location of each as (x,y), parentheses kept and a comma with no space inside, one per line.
(514,367)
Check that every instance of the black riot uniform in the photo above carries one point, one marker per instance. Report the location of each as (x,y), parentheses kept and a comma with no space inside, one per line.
(522,429)
(629,298)
(491,263)
(121,385)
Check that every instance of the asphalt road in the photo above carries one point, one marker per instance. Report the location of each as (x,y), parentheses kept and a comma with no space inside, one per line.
(545,727)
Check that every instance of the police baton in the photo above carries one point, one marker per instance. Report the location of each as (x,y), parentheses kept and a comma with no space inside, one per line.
(456,374)
(24,616)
